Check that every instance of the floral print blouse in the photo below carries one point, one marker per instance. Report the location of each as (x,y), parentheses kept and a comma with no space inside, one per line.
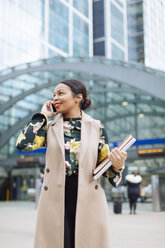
(33,137)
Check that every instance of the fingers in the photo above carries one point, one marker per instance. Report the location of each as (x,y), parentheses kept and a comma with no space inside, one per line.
(119,153)
(114,155)
(117,158)
(48,104)
(47,110)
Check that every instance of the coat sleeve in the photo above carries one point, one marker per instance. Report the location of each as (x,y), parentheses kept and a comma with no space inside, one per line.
(103,149)
(33,136)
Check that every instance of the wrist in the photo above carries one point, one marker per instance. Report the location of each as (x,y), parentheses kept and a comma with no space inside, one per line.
(119,170)
(44,115)
(115,169)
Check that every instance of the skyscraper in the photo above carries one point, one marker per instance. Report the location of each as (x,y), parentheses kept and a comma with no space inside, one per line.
(135,31)
(110,29)
(146,32)
(30,30)
(154,33)
(131,30)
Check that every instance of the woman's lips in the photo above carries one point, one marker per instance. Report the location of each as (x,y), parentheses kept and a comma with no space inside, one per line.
(57,105)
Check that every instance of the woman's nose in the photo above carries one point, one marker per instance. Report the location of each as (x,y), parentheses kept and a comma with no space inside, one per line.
(55,98)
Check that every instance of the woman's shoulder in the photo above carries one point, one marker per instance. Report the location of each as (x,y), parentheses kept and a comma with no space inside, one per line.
(88,117)
(95,121)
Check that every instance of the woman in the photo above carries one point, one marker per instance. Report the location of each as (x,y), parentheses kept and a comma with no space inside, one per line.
(72,210)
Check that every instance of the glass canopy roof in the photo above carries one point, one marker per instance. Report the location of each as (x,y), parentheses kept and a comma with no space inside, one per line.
(122,108)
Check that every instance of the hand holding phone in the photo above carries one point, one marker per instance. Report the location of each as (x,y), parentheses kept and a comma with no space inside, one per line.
(49,109)
(52,107)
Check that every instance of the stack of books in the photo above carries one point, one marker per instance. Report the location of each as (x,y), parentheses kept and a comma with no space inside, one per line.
(104,165)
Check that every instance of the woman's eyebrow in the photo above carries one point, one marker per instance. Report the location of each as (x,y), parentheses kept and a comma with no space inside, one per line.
(58,90)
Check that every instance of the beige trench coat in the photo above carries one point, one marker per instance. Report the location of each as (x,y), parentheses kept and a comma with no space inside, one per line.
(92,222)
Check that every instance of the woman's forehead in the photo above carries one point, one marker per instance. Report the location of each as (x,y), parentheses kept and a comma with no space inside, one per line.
(61,87)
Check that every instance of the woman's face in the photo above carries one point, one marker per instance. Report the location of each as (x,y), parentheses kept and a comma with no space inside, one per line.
(63,99)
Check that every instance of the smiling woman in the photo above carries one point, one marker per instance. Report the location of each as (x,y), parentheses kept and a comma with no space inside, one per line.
(72,204)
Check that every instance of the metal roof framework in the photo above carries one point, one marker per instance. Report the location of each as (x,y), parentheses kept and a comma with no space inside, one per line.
(126,97)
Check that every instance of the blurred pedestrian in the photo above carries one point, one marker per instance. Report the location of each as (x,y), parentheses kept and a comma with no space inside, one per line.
(142,193)
(133,183)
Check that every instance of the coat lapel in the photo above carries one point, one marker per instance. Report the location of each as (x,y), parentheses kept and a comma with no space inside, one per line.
(85,136)
(59,132)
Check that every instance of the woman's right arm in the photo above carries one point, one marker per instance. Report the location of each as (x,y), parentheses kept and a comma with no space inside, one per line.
(33,136)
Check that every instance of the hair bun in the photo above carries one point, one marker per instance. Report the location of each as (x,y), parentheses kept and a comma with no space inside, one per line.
(85,103)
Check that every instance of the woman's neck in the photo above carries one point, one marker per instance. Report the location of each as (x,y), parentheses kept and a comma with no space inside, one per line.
(72,114)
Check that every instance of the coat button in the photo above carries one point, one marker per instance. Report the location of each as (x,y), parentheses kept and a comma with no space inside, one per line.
(47,170)
(96,186)
(45,188)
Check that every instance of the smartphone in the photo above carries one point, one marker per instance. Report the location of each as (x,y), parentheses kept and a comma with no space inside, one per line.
(52,107)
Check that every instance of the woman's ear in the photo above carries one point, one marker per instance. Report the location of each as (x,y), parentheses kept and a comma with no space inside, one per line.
(79,98)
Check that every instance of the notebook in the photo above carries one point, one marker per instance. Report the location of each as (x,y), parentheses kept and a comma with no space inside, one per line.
(104,165)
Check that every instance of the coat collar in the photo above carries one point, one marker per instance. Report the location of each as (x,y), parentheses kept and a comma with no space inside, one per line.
(85,133)
(85,118)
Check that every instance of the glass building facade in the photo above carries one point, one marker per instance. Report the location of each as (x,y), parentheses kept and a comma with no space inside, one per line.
(135,31)
(154,33)
(146,32)
(30,30)
(110,29)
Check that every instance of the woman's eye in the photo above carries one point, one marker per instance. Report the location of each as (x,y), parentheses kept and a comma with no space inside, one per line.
(60,93)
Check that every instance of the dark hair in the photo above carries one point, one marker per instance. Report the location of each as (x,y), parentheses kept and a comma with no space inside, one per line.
(77,87)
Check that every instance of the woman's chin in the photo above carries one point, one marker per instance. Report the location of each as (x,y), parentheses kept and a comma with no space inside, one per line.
(60,111)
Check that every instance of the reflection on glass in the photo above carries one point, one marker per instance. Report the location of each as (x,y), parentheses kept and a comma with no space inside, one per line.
(80,37)
(117,25)
(59,25)
(22,27)
(82,6)
(120,2)
(117,53)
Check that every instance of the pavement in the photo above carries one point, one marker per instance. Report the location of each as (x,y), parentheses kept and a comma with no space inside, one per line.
(146,229)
